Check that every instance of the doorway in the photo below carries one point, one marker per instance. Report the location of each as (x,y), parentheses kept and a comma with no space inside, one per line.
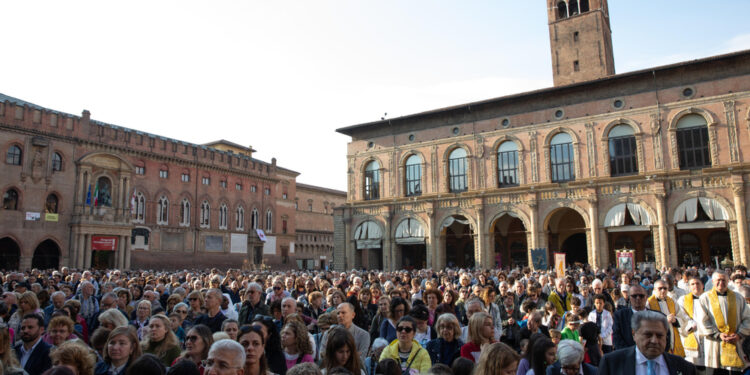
(46,256)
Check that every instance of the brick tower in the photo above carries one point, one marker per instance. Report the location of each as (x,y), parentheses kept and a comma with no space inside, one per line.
(580,39)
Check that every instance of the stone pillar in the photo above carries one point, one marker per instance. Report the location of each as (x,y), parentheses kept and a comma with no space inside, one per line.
(86,261)
(738,191)
(670,255)
(661,213)
(431,247)
(119,212)
(126,250)
(480,252)
(595,259)
(120,259)
(349,242)
(533,239)
(603,248)
(388,240)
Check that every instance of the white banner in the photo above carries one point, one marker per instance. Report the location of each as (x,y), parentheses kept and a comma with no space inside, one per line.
(238,243)
(269,247)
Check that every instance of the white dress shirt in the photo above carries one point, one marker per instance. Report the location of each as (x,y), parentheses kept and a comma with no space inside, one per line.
(641,365)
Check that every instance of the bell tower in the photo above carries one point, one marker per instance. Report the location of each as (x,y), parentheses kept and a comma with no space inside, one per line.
(580,39)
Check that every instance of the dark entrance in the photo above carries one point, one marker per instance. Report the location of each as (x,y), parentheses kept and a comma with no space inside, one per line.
(510,242)
(413,256)
(10,254)
(575,249)
(703,246)
(46,256)
(102,259)
(459,243)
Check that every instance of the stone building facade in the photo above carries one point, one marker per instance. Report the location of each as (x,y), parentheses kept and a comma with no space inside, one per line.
(650,161)
(314,216)
(83,193)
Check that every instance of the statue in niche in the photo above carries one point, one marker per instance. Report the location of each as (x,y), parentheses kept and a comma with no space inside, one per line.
(37,165)
(103,195)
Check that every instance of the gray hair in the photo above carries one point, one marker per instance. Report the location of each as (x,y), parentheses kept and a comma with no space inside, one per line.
(181,304)
(58,293)
(474,300)
(113,316)
(289,298)
(650,315)
(255,286)
(569,352)
(717,273)
(596,283)
(233,348)
(307,368)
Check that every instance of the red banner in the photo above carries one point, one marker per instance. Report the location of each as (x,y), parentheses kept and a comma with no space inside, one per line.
(106,243)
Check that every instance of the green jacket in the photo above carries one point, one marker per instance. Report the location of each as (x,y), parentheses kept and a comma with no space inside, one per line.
(421,358)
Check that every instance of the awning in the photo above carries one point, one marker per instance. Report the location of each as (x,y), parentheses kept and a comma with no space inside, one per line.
(616,215)
(410,231)
(368,235)
(687,211)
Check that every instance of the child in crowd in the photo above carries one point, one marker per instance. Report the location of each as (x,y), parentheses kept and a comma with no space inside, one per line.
(570,332)
(176,325)
(555,335)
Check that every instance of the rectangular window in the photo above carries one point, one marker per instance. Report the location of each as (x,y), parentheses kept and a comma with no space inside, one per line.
(223,184)
(413,180)
(238,187)
(267,191)
(507,168)
(457,171)
(575,36)
(372,185)
(163,174)
(576,66)
(140,170)
(561,162)
(185,177)
(253,189)
(206,181)
(622,156)
(693,146)
(283,196)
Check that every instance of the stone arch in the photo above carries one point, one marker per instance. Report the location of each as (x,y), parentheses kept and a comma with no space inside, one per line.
(711,123)
(460,212)
(412,216)
(96,159)
(505,211)
(576,153)
(624,199)
(469,166)
(521,156)
(548,213)
(63,158)
(637,133)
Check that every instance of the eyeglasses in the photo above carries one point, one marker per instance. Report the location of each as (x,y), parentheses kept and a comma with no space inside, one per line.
(193,298)
(181,311)
(277,288)
(662,288)
(404,329)
(191,338)
(221,366)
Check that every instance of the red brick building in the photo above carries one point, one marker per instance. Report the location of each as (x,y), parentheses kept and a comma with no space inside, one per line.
(650,161)
(83,193)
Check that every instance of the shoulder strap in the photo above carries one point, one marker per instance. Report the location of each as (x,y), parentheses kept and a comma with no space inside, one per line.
(408,365)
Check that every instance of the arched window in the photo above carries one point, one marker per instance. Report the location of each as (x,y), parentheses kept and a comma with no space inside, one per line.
(240,218)
(561,158)
(10,200)
(269,221)
(573,7)
(457,170)
(507,164)
(13,157)
(162,214)
(562,10)
(103,192)
(140,208)
(56,162)
(223,216)
(413,174)
(372,181)
(622,151)
(692,142)
(205,215)
(50,205)
(584,5)
(185,212)
(254,219)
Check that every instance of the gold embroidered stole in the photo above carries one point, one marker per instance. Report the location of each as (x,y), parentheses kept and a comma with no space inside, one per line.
(728,356)
(653,304)
(560,305)
(690,341)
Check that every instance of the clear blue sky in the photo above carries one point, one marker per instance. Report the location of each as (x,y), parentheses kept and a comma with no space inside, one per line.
(282,75)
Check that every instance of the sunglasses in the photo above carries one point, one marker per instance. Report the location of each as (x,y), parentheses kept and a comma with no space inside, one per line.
(638,296)
(191,338)
(262,318)
(193,298)
(277,288)
(181,311)
(404,329)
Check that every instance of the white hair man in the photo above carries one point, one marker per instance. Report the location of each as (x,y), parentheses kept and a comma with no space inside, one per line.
(724,321)
(225,357)
(570,359)
(345,315)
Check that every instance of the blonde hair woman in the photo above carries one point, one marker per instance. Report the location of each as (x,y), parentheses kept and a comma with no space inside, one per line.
(481,333)
(161,341)
(7,356)
(76,356)
(497,359)
(27,304)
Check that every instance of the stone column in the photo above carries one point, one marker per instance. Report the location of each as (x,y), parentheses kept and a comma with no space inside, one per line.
(595,259)
(661,213)
(480,257)
(388,240)
(120,259)
(119,209)
(431,247)
(738,191)
(86,261)
(126,250)
(349,243)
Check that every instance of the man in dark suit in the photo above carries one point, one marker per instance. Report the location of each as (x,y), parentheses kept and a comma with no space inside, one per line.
(33,352)
(648,356)
(534,325)
(621,329)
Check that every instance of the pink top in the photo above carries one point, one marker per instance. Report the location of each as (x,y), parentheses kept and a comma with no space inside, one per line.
(291,362)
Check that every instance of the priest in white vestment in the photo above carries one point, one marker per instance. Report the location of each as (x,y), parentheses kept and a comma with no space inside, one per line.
(693,344)
(723,321)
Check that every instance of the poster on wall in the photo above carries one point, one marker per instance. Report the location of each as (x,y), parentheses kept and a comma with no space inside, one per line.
(33,216)
(104,243)
(625,259)
(539,258)
(560,264)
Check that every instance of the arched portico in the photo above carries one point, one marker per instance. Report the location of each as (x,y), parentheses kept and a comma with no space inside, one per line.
(458,238)
(510,240)
(567,233)
(10,254)
(46,255)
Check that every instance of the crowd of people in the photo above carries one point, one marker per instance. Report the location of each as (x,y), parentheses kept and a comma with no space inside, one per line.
(676,321)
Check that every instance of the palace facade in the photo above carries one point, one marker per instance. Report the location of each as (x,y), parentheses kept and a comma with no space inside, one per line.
(651,161)
(87,194)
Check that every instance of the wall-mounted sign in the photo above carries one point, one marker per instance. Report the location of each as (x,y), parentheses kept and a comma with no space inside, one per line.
(51,217)
(33,216)
(104,243)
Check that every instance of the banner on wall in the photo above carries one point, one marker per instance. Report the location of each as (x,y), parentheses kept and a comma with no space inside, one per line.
(104,243)
(560,264)
(33,216)
(539,258)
